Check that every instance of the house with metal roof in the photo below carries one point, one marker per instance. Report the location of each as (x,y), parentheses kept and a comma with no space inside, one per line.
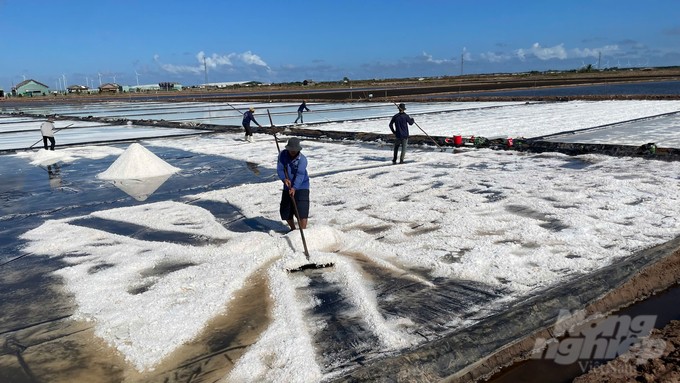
(108,88)
(77,89)
(30,87)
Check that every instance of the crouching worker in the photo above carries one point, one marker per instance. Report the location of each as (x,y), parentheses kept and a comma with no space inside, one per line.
(296,185)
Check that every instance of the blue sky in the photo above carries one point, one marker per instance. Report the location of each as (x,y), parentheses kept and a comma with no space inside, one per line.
(275,41)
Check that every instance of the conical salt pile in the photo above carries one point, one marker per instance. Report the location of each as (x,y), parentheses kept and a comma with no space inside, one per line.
(135,163)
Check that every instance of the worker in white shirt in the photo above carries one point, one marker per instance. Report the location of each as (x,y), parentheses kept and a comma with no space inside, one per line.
(47,130)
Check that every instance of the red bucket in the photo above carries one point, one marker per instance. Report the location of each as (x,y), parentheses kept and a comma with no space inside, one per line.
(457,140)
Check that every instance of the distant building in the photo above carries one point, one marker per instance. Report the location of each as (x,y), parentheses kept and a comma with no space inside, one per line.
(2,93)
(77,89)
(170,85)
(308,83)
(109,88)
(213,85)
(30,88)
(144,88)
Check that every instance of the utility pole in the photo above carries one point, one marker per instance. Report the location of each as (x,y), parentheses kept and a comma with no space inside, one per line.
(205,68)
(598,61)
(462,63)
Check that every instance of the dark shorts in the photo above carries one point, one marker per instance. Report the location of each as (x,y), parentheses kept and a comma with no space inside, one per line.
(302,201)
(249,130)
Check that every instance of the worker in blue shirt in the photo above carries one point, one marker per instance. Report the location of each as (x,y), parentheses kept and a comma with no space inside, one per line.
(247,117)
(296,185)
(301,109)
(399,126)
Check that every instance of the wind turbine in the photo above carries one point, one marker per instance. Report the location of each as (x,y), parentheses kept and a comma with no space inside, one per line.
(114,79)
(87,83)
(59,78)
(64,76)
(584,64)
(137,76)
(100,78)
(23,77)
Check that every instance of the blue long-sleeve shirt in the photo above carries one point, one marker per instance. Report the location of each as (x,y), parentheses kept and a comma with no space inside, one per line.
(247,117)
(303,107)
(297,170)
(402,121)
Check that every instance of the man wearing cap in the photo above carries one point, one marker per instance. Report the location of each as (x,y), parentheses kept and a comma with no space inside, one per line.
(301,109)
(296,185)
(400,121)
(47,131)
(247,117)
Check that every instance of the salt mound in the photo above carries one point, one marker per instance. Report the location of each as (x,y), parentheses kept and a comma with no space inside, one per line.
(319,238)
(46,157)
(135,163)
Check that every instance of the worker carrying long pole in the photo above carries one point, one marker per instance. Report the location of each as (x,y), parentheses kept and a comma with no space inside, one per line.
(301,110)
(47,131)
(247,117)
(399,127)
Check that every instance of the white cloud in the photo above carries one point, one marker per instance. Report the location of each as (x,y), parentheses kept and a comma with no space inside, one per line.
(249,59)
(543,53)
(177,69)
(558,52)
(429,58)
(495,57)
(214,61)
(606,50)
(466,55)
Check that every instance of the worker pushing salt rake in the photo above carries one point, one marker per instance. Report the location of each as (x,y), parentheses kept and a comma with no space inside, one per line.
(295,191)
(399,127)
(247,117)
(48,131)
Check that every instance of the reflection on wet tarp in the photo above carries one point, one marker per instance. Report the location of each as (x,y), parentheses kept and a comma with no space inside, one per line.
(141,189)
(253,168)
(54,176)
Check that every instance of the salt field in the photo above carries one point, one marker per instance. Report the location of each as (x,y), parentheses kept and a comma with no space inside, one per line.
(485,119)
(26,132)
(191,200)
(166,260)
(225,114)
(661,131)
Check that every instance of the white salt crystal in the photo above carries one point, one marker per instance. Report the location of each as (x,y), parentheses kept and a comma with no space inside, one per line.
(137,162)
